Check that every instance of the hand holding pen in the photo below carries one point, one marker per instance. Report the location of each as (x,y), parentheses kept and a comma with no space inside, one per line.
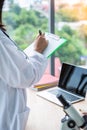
(40,43)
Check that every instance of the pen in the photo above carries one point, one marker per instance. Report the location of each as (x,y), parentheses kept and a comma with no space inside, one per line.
(40,33)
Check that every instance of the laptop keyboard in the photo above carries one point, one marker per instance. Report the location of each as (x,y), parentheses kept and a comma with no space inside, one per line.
(67,96)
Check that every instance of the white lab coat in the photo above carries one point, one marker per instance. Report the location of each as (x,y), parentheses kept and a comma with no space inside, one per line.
(16,74)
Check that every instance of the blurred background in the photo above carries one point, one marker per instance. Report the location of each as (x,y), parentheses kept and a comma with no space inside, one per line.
(23,19)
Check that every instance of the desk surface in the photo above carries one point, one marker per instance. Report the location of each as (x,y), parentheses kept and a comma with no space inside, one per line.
(45,115)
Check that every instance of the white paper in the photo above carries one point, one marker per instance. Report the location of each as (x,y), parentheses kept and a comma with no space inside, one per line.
(54,42)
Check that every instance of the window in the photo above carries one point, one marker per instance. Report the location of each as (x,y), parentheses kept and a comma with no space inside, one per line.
(24,20)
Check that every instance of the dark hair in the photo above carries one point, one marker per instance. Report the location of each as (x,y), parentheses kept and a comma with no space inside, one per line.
(1,7)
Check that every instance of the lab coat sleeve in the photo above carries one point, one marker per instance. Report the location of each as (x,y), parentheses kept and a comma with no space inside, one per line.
(16,70)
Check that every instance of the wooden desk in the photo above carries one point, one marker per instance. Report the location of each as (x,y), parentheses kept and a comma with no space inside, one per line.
(45,115)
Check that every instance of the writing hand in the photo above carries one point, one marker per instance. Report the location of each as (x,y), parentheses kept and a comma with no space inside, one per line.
(40,43)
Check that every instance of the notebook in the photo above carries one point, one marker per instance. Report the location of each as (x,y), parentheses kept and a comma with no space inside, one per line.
(47,81)
(54,43)
(72,85)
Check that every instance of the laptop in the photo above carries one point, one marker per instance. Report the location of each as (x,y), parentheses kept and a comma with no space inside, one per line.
(72,85)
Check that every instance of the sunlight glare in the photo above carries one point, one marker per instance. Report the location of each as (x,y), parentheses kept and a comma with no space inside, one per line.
(72,1)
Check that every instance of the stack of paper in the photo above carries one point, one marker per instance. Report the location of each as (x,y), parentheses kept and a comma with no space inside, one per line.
(47,81)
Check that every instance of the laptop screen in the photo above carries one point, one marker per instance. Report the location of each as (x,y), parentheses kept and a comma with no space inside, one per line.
(73,78)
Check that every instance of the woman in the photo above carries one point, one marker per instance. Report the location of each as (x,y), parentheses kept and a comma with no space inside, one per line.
(17,72)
